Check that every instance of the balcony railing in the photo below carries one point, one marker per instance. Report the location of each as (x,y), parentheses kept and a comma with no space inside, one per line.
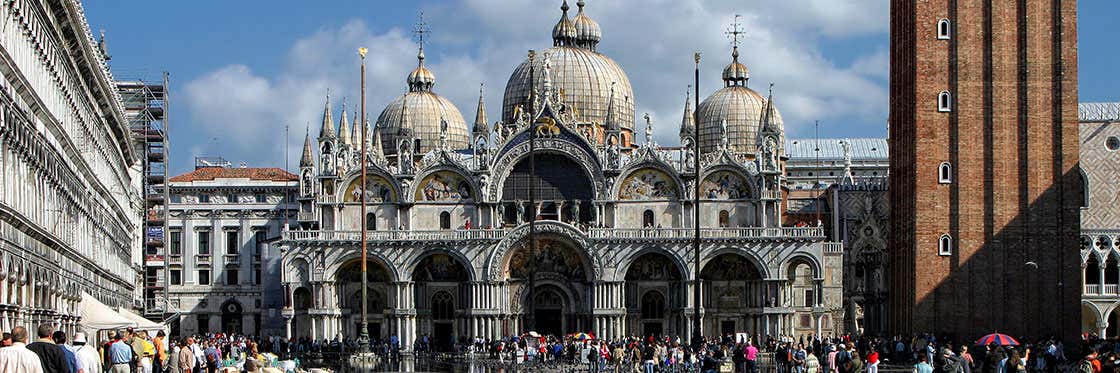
(1110,289)
(594,233)
(1092,289)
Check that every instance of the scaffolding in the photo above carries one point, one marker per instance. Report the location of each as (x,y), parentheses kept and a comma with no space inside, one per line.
(146,108)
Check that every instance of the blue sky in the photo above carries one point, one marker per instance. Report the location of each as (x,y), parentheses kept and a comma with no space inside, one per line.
(242,70)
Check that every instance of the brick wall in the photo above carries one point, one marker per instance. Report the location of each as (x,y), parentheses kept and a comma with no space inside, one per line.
(1011,136)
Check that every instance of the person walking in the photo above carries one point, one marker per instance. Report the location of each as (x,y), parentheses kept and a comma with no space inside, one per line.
(923,365)
(751,354)
(160,344)
(72,362)
(186,360)
(873,361)
(50,355)
(120,355)
(89,358)
(17,358)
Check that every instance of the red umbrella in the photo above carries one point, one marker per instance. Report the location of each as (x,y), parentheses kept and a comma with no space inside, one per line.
(998,339)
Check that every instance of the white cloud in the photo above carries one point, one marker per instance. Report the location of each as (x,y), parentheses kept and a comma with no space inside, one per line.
(483,40)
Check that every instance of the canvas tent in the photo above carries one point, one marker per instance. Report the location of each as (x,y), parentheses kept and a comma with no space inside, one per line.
(98,316)
(141,322)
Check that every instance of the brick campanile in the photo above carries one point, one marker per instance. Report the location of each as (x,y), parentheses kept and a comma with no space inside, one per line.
(984,184)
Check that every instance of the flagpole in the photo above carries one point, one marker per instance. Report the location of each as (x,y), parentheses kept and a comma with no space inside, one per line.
(363,334)
(697,333)
(532,197)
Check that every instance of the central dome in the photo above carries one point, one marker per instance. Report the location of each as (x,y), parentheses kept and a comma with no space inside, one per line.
(583,75)
(734,107)
(420,115)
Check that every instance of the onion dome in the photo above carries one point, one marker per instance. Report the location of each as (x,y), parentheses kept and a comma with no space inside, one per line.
(585,78)
(588,32)
(735,73)
(417,115)
(741,108)
(564,33)
(421,79)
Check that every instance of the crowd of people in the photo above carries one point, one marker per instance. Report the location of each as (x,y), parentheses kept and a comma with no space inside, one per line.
(136,351)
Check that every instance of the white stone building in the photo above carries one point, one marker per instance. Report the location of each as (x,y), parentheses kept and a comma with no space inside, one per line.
(69,197)
(448,214)
(1099,132)
(224,274)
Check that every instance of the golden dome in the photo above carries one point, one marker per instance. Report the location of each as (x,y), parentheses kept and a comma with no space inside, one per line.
(564,33)
(735,72)
(583,75)
(421,79)
(419,114)
(588,32)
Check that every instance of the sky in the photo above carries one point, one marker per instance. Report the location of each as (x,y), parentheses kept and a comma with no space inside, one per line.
(248,78)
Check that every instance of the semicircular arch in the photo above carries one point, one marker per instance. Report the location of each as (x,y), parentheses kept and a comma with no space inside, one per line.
(412,264)
(727,182)
(749,255)
(444,183)
(499,256)
(678,261)
(374,257)
(506,161)
(648,180)
(380,187)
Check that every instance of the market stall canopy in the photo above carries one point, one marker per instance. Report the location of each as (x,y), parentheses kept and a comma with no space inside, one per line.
(140,321)
(98,316)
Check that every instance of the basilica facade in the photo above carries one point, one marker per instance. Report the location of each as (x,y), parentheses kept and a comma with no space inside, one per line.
(556,218)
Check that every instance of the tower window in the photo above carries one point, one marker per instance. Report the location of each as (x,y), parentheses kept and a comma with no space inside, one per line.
(943,29)
(944,102)
(945,245)
(945,173)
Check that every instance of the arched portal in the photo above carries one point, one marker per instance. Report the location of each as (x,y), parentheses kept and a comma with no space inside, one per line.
(733,292)
(301,303)
(231,317)
(655,295)
(560,185)
(549,284)
(440,281)
(348,285)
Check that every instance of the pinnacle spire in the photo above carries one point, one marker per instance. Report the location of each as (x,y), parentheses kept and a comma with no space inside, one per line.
(344,134)
(770,114)
(378,152)
(612,124)
(308,159)
(688,122)
(327,130)
(356,131)
(480,126)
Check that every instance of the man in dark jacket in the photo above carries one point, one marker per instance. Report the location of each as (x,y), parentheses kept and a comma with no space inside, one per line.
(52,356)
(992,358)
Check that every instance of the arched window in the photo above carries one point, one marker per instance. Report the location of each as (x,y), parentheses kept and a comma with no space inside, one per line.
(445,220)
(443,306)
(945,173)
(653,305)
(944,102)
(943,29)
(945,245)
(724,219)
(647,219)
(416,147)
(371,221)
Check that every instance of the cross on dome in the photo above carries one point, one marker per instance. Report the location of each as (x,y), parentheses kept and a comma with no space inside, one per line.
(735,31)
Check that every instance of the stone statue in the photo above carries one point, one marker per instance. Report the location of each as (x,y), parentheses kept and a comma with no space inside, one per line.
(520,210)
(575,211)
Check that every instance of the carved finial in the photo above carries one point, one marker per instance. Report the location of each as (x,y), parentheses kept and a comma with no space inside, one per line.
(649,130)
